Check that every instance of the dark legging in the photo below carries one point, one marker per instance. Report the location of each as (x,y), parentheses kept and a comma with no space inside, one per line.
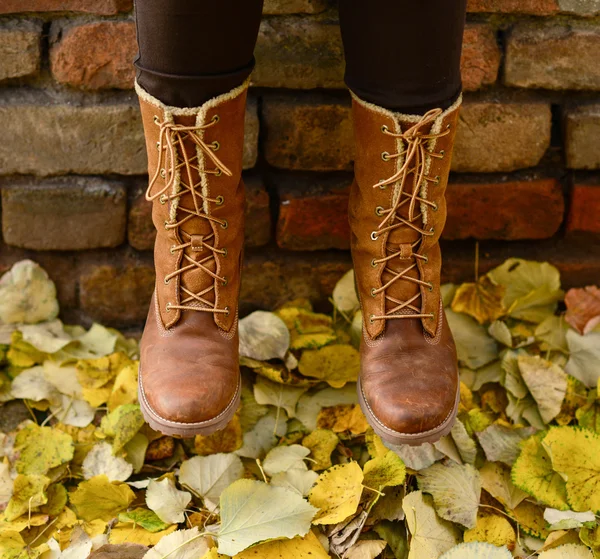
(400,54)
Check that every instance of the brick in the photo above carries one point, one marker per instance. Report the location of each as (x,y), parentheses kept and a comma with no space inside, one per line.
(100,7)
(509,210)
(271,277)
(299,53)
(94,55)
(251,131)
(313,212)
(533,7)
(67,213)
(141,232)
(480,56)
(280,7)
(553,56)
(584,212)
(117,294)
(501,137)
(311,133)
(63,137)
(582,137)
(20,49)
(580,7)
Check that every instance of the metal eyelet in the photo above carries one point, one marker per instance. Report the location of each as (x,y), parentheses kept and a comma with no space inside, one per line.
(215,118)
(384,128)
(430,287)
(226,311)
(163,173)
(435,207)
(385,156)
(425,258)
(448,126)
(382,186)
(379,211)
(167,225)
(224,282)
(156,119)
(220,200)
(218,173)
(225,224)
(225,253)
(163,199)
(432,230)
(442,153)
(158,146)
(373,263)
(373,294)
(166,280)
(215,146)
(437,180)
(168,307)
(374,235)
(172,249)
(371,317)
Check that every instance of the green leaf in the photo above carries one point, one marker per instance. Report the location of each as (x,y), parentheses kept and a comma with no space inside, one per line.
(41,449)
(431,536)
(575,455)
(145,518)
(252,511)
(455,489)
(532,472)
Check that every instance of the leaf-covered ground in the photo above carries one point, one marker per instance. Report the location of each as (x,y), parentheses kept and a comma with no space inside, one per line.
(298,473)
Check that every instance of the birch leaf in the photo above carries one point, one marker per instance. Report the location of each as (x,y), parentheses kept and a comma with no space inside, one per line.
(297,480)
(337,493)
(493,529)
(278,395)
(262,437)
(99,498)
(263,336)
(307,547)
(31,384)
(252,511)
(29,492)
(47,337)
(310,404)
(182,544)
(477,551)
(384,471)
(100,460)
(147,519)
(366,549)
(473,345)
(552,332)
(501,442)
(496,480)
(568,520)
(284,458)
(122,424)
(416,457)
(41,449)
(209,476)
(568,551)
(466,446)
(321,443)
(455,489)
(336,364)
(584,357)
(481,300)
(344,293)
(431,536)
(167,501)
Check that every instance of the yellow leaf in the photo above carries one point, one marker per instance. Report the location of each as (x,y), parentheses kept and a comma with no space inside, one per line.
(131,533)
(124,391)
(492,529)
(122,424)
(228,439)
(95,373)
(335,364)
(24,521)
(384,471)
(12,546)
(337,493)
(29,492)
(375,445)
(481,300)
(308,547)
(100,498)
(530,518)
(41,449)
(321,443)
(343,418)
(308,330)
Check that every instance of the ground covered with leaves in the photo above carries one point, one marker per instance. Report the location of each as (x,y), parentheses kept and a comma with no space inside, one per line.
(298,473)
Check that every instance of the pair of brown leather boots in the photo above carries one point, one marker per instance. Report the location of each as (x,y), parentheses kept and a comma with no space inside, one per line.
(189,381)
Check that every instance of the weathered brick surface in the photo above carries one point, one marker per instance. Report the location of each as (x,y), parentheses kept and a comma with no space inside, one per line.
(582,137)
(95,55)
(93,139)
(100,7)
(580,7)
(308,133)
(117,294)
(294,6)
(509,210)
(553,56)
(313,211)
(534,7)
(251,132)
(299,53)
(20,48)
(584,211)
(501,137)
(141,232)
(480,56)
(71,213)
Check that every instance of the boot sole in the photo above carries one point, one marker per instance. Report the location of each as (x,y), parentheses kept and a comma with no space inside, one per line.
(412,439)
(187,430)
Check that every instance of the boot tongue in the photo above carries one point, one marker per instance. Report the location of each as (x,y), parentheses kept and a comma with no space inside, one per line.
(199,230)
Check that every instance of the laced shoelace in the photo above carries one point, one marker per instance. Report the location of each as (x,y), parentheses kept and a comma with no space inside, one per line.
(414,164)
(170,141)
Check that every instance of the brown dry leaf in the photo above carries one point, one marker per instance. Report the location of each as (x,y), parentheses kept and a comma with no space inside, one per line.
(160,449)
(342,418)
(482,300)
(583,308)
(228,439)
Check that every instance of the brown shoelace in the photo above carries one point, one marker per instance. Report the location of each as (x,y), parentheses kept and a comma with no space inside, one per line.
(171,140)
(414,164)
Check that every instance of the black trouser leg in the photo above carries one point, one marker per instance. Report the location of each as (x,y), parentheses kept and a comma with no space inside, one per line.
(193,50)
(403,54)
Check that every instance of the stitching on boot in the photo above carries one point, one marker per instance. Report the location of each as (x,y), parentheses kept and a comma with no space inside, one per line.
(434,340)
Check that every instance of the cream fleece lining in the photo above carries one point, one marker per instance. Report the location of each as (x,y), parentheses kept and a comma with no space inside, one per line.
(398,118)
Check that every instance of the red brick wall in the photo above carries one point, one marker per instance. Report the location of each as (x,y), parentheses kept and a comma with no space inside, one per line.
(526,172)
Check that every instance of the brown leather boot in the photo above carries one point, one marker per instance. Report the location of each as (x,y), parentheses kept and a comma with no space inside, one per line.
(189,379)
(409,385)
